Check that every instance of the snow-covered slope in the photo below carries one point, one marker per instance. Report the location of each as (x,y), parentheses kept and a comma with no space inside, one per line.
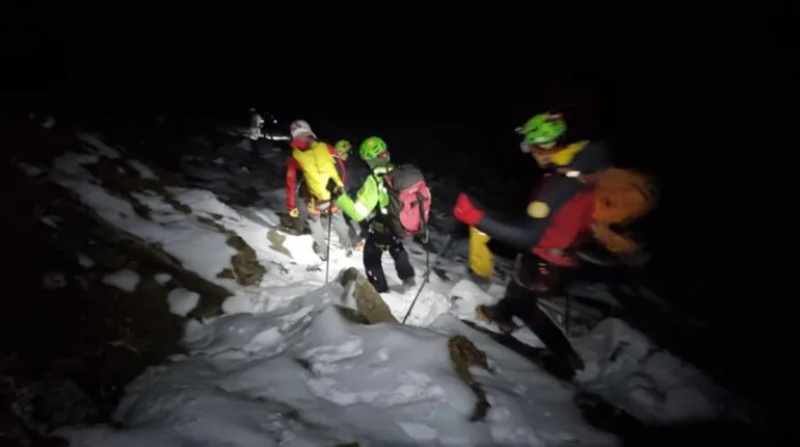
(282,366)
(305,375)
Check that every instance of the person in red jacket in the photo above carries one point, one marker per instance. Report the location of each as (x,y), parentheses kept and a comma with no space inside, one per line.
(315,160)
(295,183)
(557,217)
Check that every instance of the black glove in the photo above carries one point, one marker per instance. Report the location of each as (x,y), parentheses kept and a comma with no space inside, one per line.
(334,189)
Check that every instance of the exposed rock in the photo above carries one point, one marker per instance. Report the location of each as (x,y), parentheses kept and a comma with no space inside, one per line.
(62,402)
(292,225)
(247,271)
(276,242)
(281,268)
(463,354)
(368,301)
(246,267)
(226,273)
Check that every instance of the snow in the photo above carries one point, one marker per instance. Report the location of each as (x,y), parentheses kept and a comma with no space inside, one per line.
(304,375)
(143,169)
(97,146)
(182,301)
(54,280)
(85,261)
(125,279)
(644,380)
(51,221)
(162,278)
(282,366)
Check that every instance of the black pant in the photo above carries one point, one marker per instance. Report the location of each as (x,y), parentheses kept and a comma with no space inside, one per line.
(521,303)
(375,245)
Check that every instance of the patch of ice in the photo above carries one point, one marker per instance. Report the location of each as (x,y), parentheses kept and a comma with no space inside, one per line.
(125,279)
(182,301)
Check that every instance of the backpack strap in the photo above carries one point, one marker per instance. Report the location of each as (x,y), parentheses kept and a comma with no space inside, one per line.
(423,222)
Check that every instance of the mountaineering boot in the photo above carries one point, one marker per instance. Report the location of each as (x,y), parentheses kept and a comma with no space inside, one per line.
(488,314)
(409,283)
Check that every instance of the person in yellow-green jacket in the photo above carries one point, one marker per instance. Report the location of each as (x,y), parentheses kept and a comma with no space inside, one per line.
(384,234)
(315,161)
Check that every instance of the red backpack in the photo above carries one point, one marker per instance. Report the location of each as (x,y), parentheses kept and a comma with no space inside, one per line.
(409,201)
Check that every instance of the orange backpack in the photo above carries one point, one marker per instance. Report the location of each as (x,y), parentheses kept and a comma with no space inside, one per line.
(622,196)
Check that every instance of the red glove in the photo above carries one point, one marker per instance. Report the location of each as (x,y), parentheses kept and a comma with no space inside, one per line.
(466,212)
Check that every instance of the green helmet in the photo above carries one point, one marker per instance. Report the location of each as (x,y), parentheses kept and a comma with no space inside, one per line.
(543,128)
(342,148)
(372,148)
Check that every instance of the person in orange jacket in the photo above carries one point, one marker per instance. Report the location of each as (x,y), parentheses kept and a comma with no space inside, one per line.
(314,159)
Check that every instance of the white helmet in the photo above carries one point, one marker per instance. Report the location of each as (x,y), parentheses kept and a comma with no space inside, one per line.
(300,127)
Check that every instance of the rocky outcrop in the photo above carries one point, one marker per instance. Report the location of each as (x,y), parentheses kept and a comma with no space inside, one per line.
(463,354)
(369,303)
(371,309)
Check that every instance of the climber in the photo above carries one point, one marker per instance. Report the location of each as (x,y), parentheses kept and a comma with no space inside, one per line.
(356,173)
(559,214)
(320,175)
(386,232)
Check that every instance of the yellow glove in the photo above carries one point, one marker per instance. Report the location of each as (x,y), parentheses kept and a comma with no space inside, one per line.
(294,212)
(481,259)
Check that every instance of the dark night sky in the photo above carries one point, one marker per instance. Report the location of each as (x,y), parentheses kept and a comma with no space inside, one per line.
(693,95)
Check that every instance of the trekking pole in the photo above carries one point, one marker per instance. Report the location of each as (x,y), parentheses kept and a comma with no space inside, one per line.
(428,268)
(328,248)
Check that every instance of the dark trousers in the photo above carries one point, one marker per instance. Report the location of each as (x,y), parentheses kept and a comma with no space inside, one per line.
(521,302)
(374,247)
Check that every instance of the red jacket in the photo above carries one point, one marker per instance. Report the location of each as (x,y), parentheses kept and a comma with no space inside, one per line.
(571,206)
(569,223)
